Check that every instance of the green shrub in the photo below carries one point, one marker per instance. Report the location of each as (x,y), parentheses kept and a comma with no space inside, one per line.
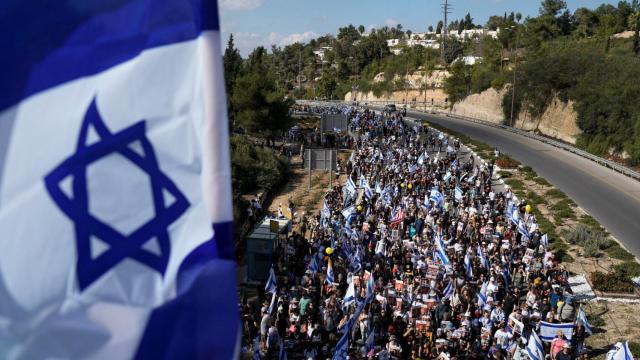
(634,347)
(535,198)
(631,267)
(515,184)
(528,172)
(505,174)
(617,281)
(556,194)
(562,210)
(592,241)
(617,252)
(541,181)
(254,167)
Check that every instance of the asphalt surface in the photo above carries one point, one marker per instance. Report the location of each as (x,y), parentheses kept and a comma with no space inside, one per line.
(611,198)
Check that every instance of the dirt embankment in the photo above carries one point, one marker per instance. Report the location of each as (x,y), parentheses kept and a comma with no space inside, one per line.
(558,121)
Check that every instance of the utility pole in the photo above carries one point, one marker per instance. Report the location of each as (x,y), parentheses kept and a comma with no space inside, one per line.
(300,70)
(446,10)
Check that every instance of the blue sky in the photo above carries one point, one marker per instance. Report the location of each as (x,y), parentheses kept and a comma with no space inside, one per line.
(282,22)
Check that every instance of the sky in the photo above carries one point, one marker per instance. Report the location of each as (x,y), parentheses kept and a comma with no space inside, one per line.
(284,22)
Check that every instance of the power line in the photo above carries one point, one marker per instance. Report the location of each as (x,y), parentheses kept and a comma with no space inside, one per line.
(446,10)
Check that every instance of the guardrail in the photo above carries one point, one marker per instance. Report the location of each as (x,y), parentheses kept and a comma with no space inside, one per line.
(572,149)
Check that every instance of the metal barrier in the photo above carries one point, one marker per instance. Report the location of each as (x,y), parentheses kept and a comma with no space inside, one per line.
(604,162)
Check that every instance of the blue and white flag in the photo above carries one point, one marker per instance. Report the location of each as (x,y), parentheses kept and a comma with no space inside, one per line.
(347,212)
(115,182)
(342,347)
(467,266)
(330,278)
(544,241)
(483,260)
(458,194)
(421,159)
(535,350)
(378,188)
(548,331)
(437,198)
(482,295)
(363,181)
(349,296)
(283,352)
(447,176)
(620,351)
(314,267)
(368,193)
(522,228)
(272,284)
(256,348)
(370,287)
(326,210)
(583,317)
(448,291)
(351,186)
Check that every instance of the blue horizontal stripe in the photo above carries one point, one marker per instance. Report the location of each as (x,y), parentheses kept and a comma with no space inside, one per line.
(47,43)
(557,326)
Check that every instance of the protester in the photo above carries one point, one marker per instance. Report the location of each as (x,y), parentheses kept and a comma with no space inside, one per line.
(421,254)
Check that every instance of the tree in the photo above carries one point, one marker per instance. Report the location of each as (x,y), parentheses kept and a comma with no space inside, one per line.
(439,27)
(458,84)
(258,105)
(361,29)
(468,22)
(552,7)
(430,28)
(232,65)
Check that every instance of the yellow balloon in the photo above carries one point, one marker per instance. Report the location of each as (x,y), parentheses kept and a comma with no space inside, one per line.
(359,207)
(527,209)
(409,186)
(402,185)
(329,251)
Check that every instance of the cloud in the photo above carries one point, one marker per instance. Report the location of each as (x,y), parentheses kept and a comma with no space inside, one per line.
(247,41)
(241,5)
(275,38)
(391,22)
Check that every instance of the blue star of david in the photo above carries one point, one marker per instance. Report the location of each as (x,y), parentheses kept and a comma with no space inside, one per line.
(76,207)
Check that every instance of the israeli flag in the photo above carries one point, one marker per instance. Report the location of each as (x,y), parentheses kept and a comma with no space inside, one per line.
(381,248)
(115,182)
(271,285)
(467,266)
(620,352)
(421,159)
(447,176)
(522,228)
(483,259)
(458,194)
(283,353)
(368,193)
(346,212)
(544,240)
(349,296)
(448,291)
(482,295)
(440,136)
(583,317)
(370,287)
(330,278)
(437,198)
(342,347)
(351,186)
(256,348)
(363,181)
(326,210)
(534,347)
(378,188)
(442,255)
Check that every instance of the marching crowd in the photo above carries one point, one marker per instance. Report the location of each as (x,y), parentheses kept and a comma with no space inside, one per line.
(417,256)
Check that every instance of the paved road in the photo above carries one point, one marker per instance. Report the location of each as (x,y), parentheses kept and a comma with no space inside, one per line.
(612,198)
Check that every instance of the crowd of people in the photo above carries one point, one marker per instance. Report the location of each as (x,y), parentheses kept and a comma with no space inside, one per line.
(420,254)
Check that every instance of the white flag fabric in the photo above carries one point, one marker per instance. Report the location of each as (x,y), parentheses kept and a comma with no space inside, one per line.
(535,350)
(548,331)
(115,189)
